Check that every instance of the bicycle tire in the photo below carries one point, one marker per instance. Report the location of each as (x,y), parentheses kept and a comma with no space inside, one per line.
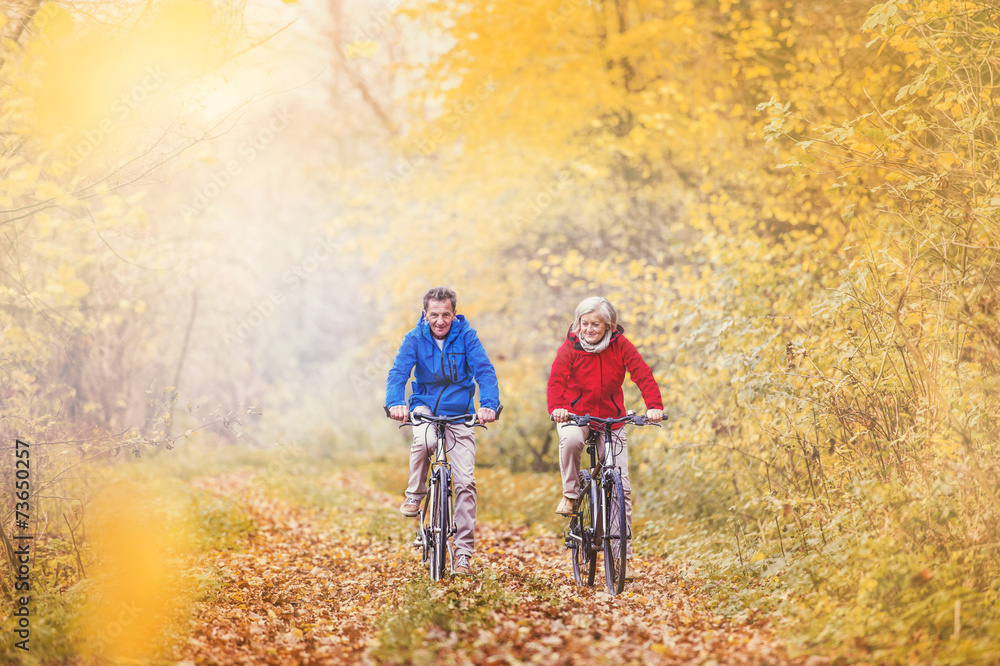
(616,535)
(438,527)
(446,518)
(424,531)
(581,527)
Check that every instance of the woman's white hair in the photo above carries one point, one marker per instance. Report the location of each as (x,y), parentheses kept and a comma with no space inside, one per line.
(601,306)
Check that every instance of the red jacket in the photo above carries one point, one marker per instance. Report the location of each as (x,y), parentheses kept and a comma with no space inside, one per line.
(586,383)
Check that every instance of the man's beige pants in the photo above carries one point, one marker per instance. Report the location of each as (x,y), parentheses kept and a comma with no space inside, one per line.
(571,447)
(460,443)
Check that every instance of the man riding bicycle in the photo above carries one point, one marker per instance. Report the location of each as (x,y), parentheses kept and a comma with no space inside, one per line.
(447,361)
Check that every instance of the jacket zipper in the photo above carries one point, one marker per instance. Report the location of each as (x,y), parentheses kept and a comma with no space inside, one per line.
(600,385)
(437,403)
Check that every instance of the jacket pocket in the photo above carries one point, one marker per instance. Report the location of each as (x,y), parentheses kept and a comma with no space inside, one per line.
(455,366)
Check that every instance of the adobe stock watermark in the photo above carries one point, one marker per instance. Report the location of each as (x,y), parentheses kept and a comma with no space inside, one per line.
(291,280)
(454,117)
(375,370)
(122,107)
(220,179)
(547,192)
(563,12)
(372,28)
(110,633)
(51,14)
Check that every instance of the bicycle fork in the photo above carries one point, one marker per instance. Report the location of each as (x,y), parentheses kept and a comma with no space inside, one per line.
(440,464)
(450,499)
(449,486)
(608,485)
(598,508)
(425,527)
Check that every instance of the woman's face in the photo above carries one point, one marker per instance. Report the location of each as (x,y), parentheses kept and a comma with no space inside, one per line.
(592,327)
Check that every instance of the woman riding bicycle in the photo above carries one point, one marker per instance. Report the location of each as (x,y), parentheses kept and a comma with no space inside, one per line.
(586,378)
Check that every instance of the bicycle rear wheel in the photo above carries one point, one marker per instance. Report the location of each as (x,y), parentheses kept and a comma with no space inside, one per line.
(439,525)
(616,534)
(581,535)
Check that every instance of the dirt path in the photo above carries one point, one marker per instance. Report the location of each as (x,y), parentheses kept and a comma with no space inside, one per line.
(313,589)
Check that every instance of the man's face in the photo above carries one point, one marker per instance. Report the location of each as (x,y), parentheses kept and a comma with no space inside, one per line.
(439,314)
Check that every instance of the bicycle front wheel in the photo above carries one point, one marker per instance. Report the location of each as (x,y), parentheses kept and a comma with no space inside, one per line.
(439,525)
(581,534)
(616,533)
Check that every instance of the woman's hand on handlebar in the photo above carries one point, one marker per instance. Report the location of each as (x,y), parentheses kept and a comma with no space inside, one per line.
(654,415)
(560,415)
(399,413)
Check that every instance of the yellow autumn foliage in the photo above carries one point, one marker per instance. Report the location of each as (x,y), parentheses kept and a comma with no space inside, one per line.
(793,206)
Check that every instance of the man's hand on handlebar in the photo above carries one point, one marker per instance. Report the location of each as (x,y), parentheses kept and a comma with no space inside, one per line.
(654,415)
(560,415)
(399,413)
(486,415)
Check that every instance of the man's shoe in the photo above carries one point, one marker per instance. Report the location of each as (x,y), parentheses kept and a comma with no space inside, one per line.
(410,508)
(462,565)
(630,573)
(565,507)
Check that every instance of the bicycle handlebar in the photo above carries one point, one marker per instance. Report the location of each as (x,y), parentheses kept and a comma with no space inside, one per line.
(416,418)
(586,420)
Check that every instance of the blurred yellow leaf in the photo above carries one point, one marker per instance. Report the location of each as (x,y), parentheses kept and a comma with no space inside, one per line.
(77,288)
(15,335)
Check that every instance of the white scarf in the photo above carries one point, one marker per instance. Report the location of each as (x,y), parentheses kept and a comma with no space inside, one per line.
(597,348)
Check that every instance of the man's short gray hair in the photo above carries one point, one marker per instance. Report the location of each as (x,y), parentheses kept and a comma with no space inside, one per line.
(440,294)
(601,306)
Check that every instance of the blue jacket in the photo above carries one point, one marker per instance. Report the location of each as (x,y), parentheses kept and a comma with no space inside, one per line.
(443,379)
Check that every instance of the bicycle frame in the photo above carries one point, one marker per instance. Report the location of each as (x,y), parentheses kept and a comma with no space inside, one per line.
(438,463)
(599,470)
(605,481)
